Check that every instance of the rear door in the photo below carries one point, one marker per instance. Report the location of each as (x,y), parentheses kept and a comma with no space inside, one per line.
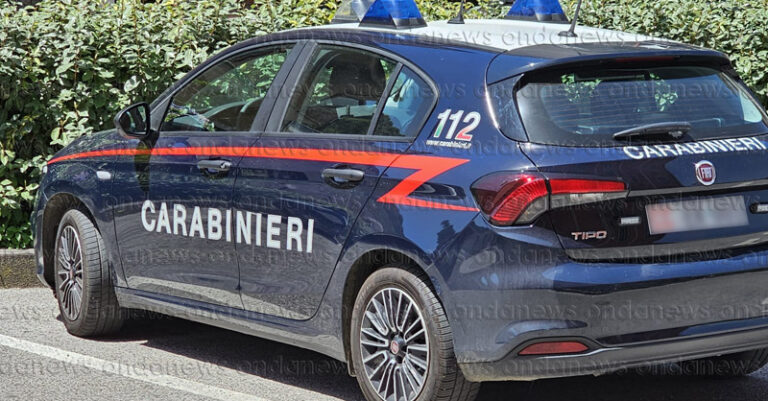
(173,218)
(700,192)
(349,114)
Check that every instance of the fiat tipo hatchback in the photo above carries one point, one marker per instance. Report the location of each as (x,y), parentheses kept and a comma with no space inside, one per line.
(436,204)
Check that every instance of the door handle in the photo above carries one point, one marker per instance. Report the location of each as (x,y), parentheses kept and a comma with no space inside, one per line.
(344,174)
(219,166)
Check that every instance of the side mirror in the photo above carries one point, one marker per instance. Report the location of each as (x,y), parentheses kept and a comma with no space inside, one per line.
(133,121)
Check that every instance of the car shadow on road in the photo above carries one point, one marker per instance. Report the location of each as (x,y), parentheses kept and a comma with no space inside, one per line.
(312,371)
(245,354)
(629,387)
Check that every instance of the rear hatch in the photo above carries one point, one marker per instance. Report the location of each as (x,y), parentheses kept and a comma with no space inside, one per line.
(691,152)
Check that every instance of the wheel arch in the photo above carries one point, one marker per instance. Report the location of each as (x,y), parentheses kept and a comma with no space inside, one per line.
(55,208)
(378,253)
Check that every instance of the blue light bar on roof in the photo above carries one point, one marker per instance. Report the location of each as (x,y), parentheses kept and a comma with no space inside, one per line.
(537,10)
(399,14)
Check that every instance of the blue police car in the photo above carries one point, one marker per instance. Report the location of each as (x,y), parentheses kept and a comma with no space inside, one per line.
(436,205)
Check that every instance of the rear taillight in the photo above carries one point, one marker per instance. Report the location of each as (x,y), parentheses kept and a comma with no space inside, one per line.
(519,198)
(505,197)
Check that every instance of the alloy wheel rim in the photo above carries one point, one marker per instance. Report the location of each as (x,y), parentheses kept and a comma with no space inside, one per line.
(394,345)
(70,271)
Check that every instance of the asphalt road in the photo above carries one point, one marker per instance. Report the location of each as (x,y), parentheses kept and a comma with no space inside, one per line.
(171,359)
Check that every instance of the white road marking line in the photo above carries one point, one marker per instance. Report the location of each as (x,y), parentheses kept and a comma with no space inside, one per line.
(131,372)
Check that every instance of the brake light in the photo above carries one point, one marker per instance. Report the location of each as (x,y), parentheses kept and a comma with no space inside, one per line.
(519,198)
(644,59)
(504,197)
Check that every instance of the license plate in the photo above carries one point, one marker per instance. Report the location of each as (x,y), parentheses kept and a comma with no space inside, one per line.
(697,214)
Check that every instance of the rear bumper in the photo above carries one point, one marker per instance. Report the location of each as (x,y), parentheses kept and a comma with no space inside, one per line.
(624,325)
(610,359)
(509,288)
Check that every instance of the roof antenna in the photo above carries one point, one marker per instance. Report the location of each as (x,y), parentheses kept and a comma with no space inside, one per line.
(571,33)
(459,19)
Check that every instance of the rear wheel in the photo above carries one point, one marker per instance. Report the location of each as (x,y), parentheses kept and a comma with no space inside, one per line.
(402,345)
(84,290)
(732,365)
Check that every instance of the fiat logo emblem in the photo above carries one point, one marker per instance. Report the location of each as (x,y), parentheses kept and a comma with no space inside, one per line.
(705,172)
(394,347)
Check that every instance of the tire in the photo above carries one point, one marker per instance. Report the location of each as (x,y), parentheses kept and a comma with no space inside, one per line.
(404,361)
(83,289)
(732,365)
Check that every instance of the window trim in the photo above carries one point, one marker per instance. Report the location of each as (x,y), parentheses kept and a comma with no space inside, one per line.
(274,129)
(162,104)
(383,100)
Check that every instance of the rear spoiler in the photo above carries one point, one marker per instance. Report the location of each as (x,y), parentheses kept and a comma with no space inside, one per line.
(550,56)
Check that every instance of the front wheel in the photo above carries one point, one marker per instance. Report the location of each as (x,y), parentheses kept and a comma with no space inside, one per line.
(84,290)
(401,342)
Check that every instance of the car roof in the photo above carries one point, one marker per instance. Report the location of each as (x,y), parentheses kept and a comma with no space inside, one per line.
(522,46)
(503,35)
(505,47)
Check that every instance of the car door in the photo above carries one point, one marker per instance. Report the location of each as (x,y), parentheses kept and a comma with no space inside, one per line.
(173,217)
(341,123)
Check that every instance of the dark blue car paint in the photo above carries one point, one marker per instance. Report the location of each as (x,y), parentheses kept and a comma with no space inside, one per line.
(653,180)
(163,267)
(489,279)
(292,283)
(78,179)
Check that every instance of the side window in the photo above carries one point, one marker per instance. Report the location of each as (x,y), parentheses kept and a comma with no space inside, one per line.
(339,92)
(227,96)
(406,107)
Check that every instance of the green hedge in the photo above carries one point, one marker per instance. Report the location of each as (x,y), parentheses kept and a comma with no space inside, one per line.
(66,67)
(738,28)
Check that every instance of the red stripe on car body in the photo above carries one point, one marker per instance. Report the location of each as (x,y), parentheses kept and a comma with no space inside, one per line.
(426,167)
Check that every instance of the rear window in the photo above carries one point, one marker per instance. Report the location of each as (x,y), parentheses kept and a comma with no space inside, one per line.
(587,107)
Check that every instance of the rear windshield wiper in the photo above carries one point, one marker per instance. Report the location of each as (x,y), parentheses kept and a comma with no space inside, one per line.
(672,130)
